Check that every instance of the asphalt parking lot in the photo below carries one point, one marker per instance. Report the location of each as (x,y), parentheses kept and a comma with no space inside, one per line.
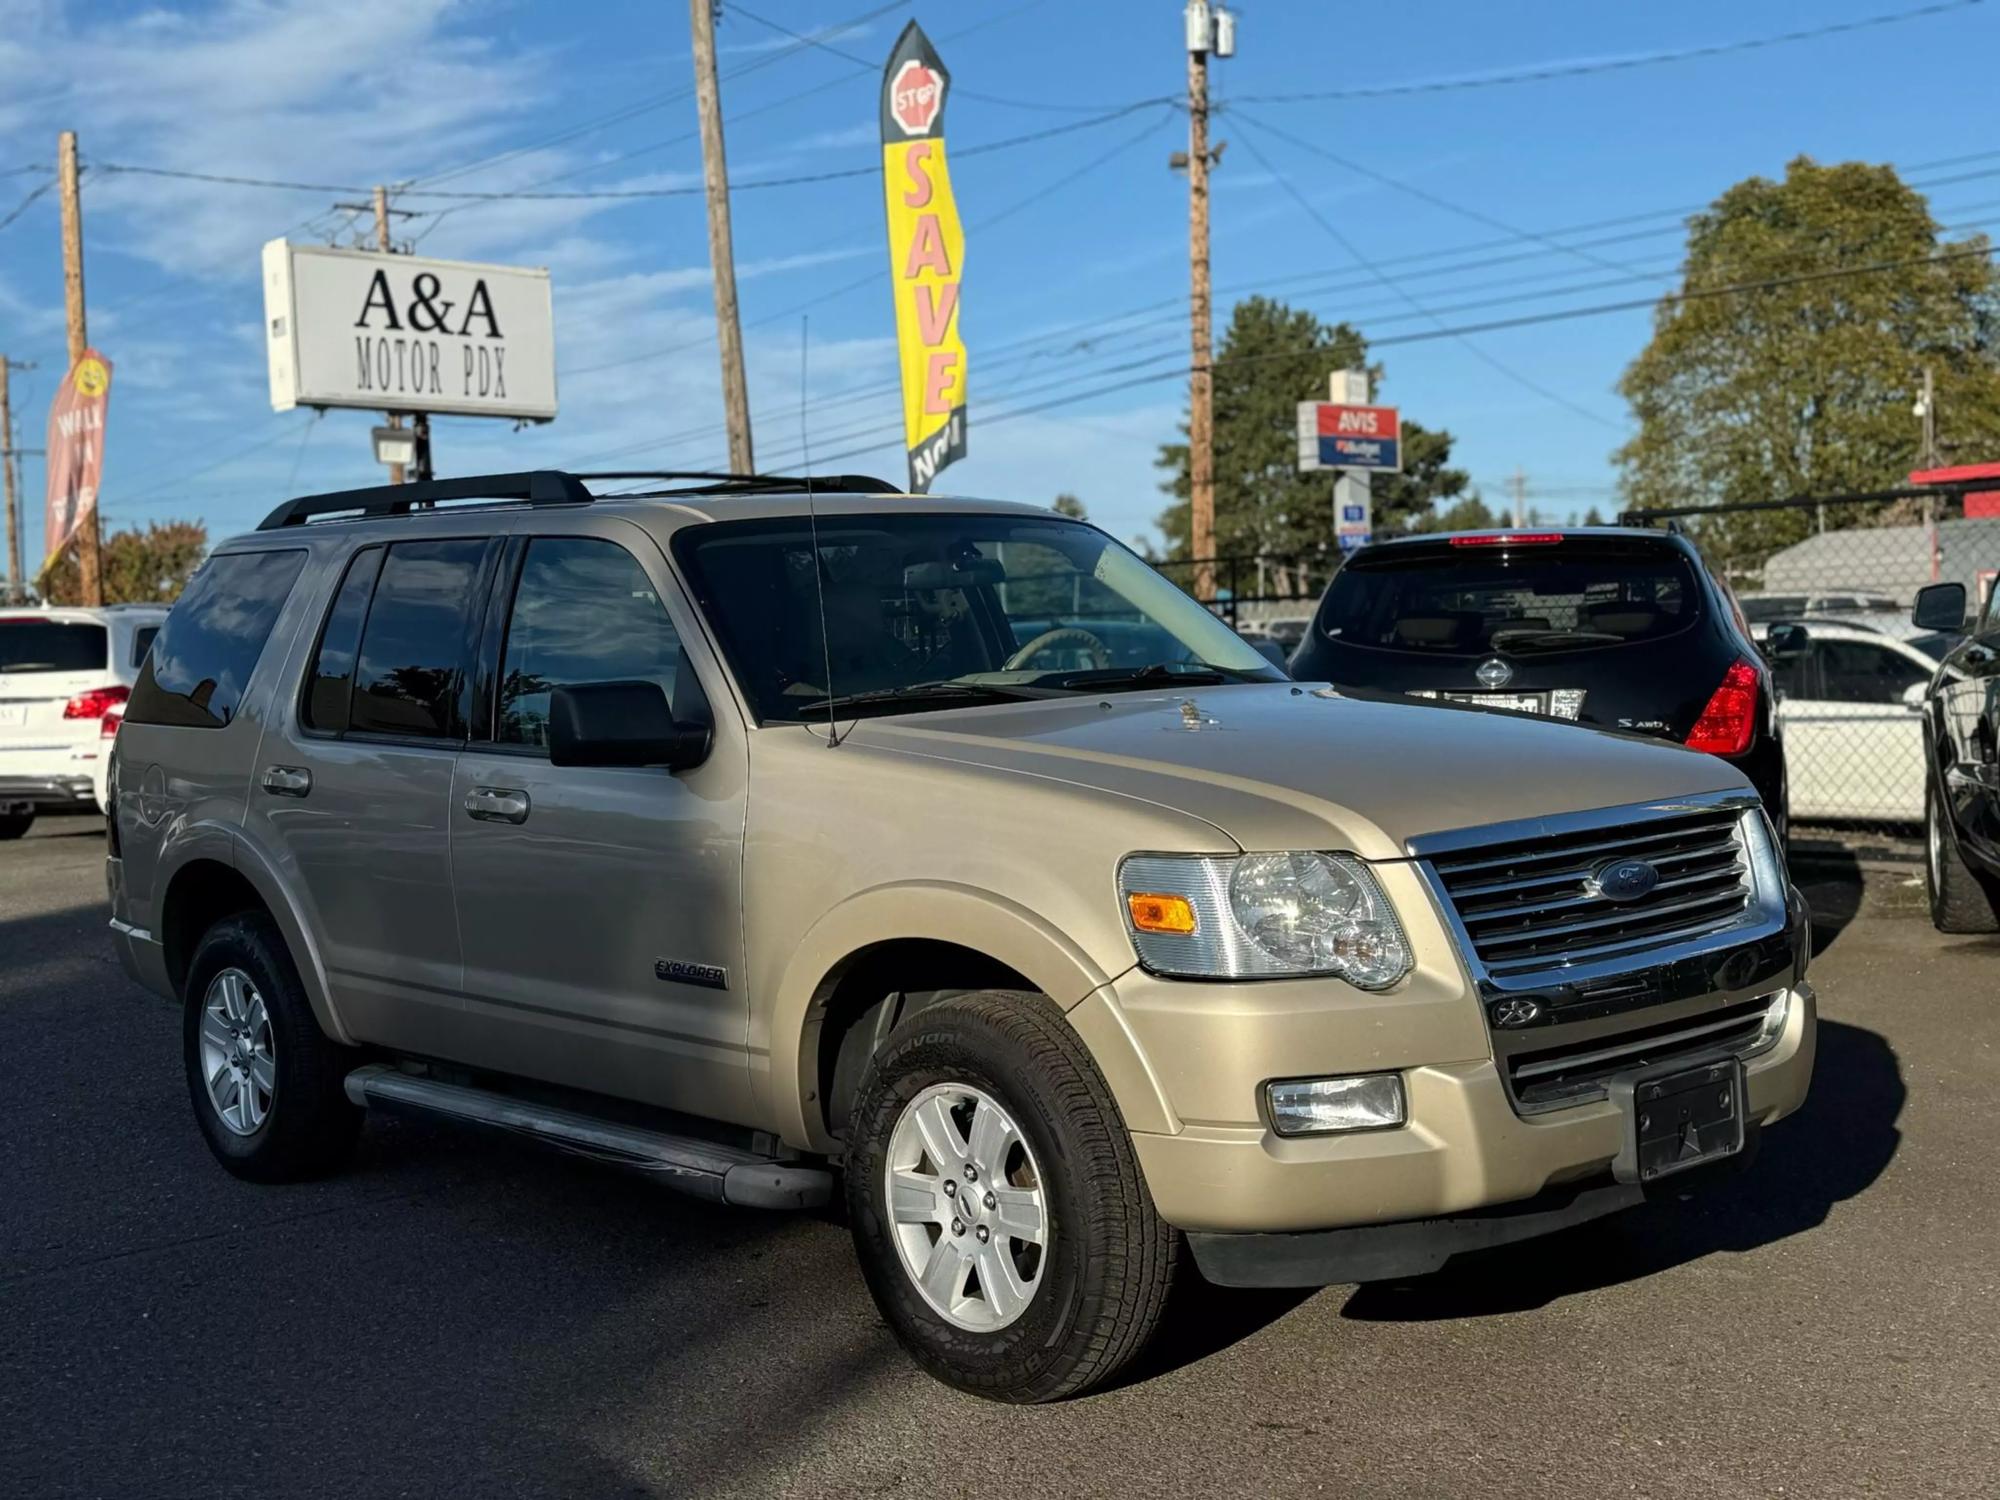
(458,1315)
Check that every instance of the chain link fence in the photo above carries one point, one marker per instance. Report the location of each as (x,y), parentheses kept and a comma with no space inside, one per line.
(1847,568)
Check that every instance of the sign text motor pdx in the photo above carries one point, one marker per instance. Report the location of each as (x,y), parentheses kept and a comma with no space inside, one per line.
(393,355)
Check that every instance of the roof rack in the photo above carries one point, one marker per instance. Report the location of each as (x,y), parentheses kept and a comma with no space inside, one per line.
(543,487)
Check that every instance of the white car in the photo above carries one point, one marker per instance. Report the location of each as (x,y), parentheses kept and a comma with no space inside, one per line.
(63,673)
(1850,707)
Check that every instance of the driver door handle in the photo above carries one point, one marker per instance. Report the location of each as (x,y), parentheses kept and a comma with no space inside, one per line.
(497,804)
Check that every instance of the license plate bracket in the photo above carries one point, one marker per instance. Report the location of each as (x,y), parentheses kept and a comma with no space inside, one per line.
(1678,1117)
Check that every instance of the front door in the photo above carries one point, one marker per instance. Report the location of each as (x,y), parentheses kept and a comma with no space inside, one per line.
(1853,728)
(600,907)
(356,785)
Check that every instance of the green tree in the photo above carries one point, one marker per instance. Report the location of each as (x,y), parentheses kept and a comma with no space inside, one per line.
(1469,514)
(138,567)
(1271,358)
(1068,505)
(1593,517)
(1806,388)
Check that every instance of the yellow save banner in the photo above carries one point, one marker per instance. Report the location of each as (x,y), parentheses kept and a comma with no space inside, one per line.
(926,256)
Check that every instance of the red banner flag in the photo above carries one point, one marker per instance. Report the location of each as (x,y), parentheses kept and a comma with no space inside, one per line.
(75,451)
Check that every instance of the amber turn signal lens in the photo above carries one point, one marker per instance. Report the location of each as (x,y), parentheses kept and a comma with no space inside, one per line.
(1152,913)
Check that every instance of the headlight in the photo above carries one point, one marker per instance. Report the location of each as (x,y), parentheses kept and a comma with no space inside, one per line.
(1263,915)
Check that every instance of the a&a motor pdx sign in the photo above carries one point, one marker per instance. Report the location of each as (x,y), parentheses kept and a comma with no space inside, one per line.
(926,252)
(1337,436)
(361,328)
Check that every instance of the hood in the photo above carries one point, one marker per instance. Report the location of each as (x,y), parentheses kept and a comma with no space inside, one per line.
(1294,765)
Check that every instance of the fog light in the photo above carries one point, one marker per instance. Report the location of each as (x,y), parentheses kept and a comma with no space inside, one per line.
(1315,1106)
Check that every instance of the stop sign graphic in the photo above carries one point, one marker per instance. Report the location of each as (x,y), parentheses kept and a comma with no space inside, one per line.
(915,97)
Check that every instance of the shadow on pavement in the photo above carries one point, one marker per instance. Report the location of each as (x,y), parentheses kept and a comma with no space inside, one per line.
(1833,1149)
(1831,880)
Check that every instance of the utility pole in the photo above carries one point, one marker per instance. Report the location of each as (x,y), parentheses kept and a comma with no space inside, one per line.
(1927,412)
(1517,487)
(1201,38)
(721,249)
(384,243)
(17,592)
(89,568)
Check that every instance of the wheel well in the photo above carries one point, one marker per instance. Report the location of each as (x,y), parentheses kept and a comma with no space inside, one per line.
(870,991)
(203,892)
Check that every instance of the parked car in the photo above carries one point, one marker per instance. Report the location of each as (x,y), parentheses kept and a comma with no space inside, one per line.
(1961,742)
(1850,705)
(1761,609)
(61,672)
(751,836)
(1617,628)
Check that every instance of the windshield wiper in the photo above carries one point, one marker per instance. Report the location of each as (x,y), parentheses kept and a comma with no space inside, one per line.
(927,692)
(1531,638)
(1186,674)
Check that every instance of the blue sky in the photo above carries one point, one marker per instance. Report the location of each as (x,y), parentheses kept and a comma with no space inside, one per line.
(1075,273)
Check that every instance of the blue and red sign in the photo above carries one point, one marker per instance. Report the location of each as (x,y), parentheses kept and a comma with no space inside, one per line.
(1334,436)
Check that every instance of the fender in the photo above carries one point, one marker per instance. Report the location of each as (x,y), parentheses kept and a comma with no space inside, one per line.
(966,916)
(227,845)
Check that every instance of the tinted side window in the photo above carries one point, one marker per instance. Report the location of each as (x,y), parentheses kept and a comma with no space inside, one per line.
(584,611)
(413,648)
(332,676)
(142,640)
(1856,672)
(201,661)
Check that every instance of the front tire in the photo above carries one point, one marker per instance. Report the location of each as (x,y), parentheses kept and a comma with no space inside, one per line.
(15,825)
(997,1205)
(1962,900)
(264,1079)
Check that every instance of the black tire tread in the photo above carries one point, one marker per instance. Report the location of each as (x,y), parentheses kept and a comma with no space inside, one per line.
(15,825)
(1962,900)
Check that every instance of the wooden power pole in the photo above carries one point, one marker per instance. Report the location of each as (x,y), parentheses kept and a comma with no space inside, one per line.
(1201,379)
(721,250)
(17,592)
(88,566)
(384,243)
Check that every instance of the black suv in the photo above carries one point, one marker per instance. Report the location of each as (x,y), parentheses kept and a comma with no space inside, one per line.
(1962,764)
(1617,628)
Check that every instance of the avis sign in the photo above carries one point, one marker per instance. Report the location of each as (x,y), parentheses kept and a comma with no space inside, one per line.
(926,257)
(382,332)
(1337,436)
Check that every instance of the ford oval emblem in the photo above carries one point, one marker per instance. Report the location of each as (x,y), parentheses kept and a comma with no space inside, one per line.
(1494,673)
(1624,879)
(1516,1010)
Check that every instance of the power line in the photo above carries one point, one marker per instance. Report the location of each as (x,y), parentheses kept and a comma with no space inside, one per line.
(1542,72)
(26,203)
(1397,287)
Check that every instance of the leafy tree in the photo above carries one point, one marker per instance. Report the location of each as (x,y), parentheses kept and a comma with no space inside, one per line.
(1469,514)
(1593,517)
(1068,505)
(1806,388)
(1271,358)
(138,567)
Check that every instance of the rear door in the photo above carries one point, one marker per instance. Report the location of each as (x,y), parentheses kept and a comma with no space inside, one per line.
(1854,737)
(44,662)
(354,783)
(601,907)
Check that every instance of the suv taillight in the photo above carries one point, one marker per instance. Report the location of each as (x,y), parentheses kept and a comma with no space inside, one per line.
(108,726)
(1729,723)
(96,703)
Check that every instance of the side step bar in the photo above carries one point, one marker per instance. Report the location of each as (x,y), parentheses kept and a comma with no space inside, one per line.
(703,1169)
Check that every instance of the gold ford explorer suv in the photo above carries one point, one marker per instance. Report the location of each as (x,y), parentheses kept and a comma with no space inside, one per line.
(762,838)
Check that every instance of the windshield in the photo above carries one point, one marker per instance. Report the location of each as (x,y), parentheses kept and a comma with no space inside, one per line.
(929,611)
(1469,601)
(51,646)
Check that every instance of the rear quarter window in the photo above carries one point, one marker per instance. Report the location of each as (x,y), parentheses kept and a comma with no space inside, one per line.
(202,659)
(1468,601)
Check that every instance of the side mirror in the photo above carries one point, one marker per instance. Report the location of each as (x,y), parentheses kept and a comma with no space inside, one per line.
(1940,606)
(1783,642)
(621,724)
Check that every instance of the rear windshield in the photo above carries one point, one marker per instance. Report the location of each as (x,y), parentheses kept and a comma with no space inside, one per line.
(1565,596)
(52,646)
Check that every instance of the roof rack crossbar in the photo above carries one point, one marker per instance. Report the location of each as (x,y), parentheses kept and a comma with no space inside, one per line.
(713,483)
(535,486)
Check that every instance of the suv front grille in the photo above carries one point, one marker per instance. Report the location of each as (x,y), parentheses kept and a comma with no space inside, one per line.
(1533,904)
(1576,1071)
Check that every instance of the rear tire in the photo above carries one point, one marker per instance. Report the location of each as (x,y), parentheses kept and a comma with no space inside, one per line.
(1962,899)
(1097,1278)
(14,825)
(264,1079)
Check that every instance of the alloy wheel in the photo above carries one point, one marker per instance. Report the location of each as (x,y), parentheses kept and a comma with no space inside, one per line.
(237,1061)
(967,1206)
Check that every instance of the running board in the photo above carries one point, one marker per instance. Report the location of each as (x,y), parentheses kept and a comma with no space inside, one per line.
(703,1169)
